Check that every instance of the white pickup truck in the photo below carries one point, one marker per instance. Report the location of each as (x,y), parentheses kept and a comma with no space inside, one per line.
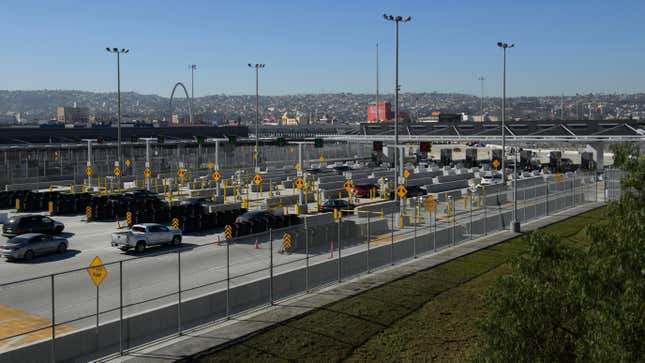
(145,235)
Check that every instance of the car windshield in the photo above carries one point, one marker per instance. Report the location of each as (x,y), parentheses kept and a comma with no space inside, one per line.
(138,229)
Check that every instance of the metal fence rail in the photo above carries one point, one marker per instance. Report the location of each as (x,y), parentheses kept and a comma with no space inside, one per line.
(137,303)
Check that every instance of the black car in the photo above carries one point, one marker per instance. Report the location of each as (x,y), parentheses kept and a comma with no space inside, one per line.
(257,218)
(413,191)
(330,204)
(31,223)
(138,194)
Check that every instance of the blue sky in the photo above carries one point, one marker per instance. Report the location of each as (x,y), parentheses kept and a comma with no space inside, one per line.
(569,46)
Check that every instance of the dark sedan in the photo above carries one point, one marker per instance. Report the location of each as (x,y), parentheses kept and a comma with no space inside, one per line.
(31,223)
(330,204)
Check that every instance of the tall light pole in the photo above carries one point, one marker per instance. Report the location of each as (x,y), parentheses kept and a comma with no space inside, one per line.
(118,53)
(481,100)
(504,46)
(378,119)
(396,20)
(193,68)
(257,108)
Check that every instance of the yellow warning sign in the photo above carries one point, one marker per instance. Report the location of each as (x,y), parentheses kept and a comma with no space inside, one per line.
(300,183)
(297,166)
(429,203)
(181,172)
(406,173)
(88,212)
(348,186)
(88,171)
(117,171)
(321,158)
(257,179)
(216,175)
(286,241)
(228,231)
(128,217)
(210,165)
(127,163)
(496,164)
(146,172)
(401,191)
(97,271)
(175,223)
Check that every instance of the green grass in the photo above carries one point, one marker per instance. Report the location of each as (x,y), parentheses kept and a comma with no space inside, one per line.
(427,316)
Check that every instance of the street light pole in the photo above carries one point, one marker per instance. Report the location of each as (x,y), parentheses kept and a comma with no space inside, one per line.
(504,46)
(257,109)
(118,81)
(396,20)
(481,100)
(192,67)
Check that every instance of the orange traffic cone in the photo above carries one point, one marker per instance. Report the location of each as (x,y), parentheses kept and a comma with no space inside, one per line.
(257,244)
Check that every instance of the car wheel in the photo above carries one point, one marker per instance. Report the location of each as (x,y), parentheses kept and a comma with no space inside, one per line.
(124,249)
(62,248)
(176,241)
(58,230)
(29,255)
(140,247)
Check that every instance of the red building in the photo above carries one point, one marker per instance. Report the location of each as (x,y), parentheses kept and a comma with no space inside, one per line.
(385,112)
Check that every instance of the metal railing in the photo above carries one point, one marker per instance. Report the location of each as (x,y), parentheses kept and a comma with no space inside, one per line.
(170,290)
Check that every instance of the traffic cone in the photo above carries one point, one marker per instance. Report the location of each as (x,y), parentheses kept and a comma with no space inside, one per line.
(257,244)
(331,248)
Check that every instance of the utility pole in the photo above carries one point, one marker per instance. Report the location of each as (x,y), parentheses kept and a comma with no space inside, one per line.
(396,20)
(562,107)
(192,67)
(257,111)
(481,100)
(504,46)
(118,81)
(378,118)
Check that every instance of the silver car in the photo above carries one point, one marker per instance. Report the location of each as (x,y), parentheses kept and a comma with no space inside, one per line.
(30,245)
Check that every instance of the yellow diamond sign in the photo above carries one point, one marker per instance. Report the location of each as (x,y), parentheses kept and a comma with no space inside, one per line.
(496,164)
(321,158)
(297,166)
(146,172)
(348,186)
(181,172)
(257,179)
(117,171)
(429,203)
(127,163)
(406,173)
(401,191)
(97,271)
(210,165)
(88,171)
(216,175)
(300,183)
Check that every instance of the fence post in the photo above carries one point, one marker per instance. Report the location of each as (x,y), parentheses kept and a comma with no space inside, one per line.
(179,290)
(573,190)
(470,225)
(53,345)
(306,256)
(485,212)
(414,239)
(546,204)
(595,179)
(434,232)
(340,221)
(270,266)
(228,279)
(368,243)
(392,241)
(121,307)
(454,213)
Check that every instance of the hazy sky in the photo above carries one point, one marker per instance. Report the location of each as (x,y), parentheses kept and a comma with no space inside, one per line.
(570,46)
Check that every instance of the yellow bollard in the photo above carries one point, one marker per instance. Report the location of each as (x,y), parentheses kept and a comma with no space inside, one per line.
(245,203)
(466,201)
(17,204)
(297,210)
(401,220)
(270,189)
(260,190)
(71,188)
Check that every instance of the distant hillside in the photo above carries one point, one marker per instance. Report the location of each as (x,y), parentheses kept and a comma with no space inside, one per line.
(41,105)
